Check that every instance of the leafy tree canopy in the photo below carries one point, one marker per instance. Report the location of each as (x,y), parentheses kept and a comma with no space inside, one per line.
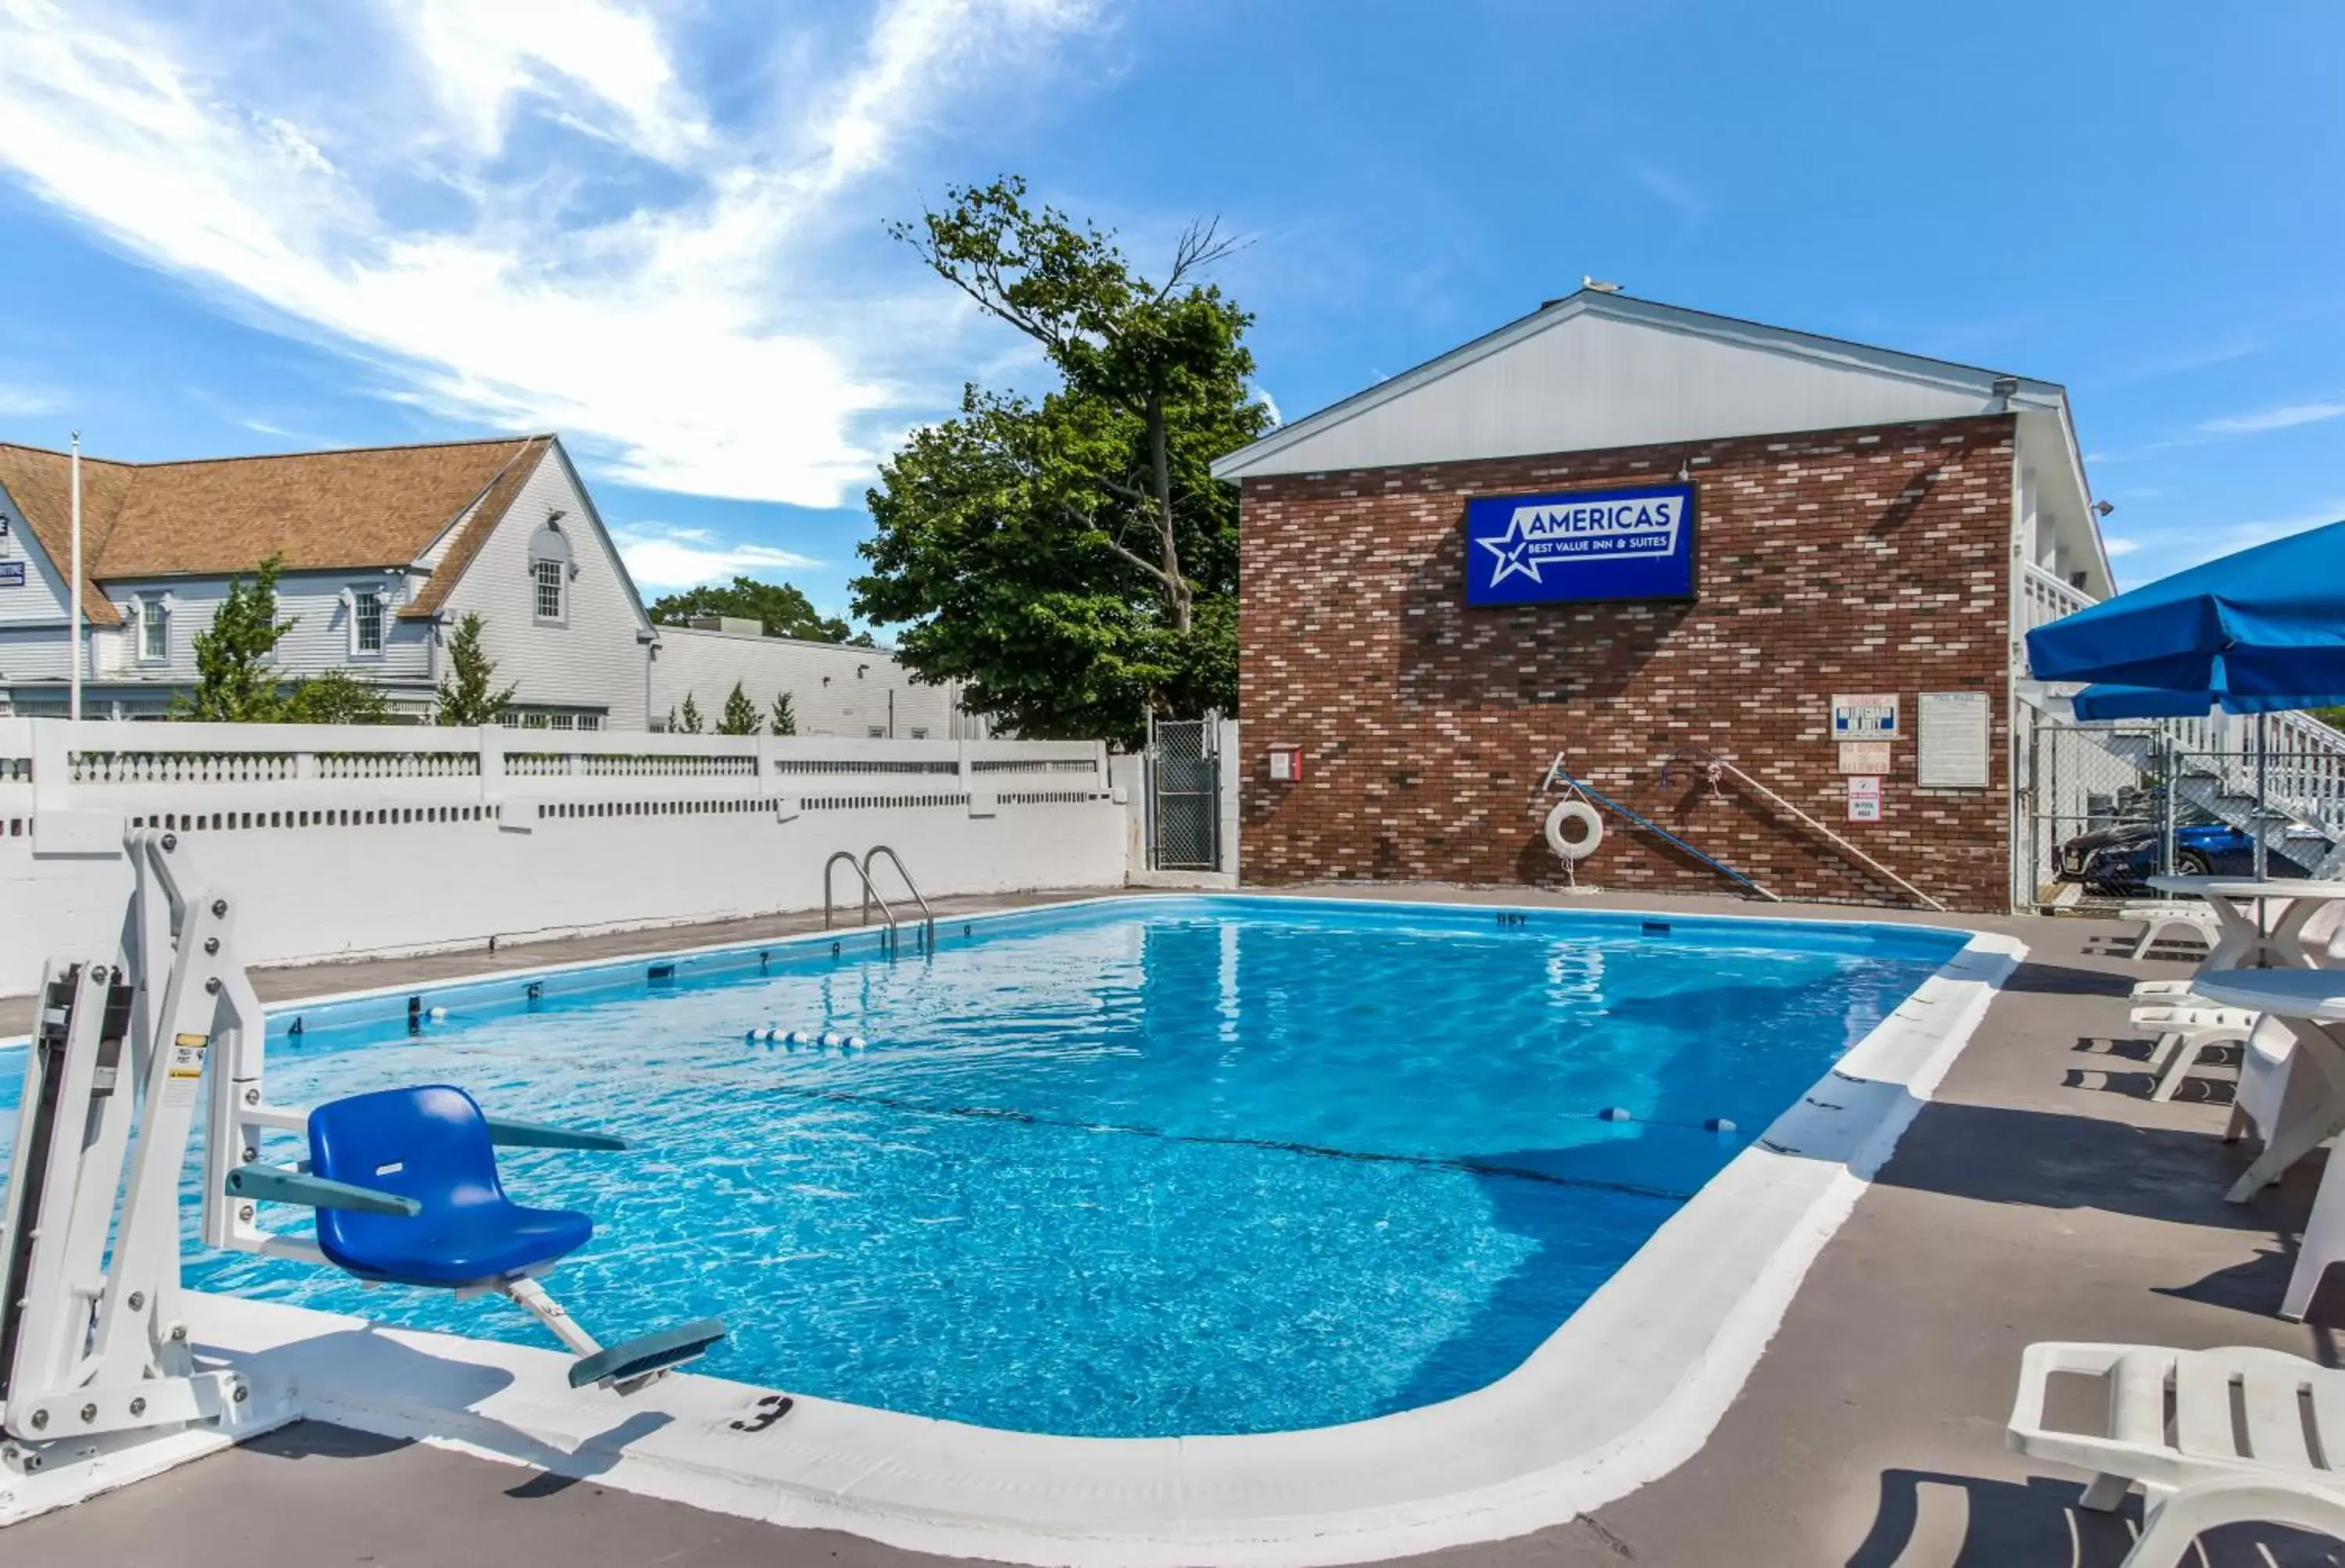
(782,610)
(1070,558)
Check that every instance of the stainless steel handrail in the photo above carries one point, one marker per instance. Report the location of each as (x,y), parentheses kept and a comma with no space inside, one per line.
(870,893)
(928,915)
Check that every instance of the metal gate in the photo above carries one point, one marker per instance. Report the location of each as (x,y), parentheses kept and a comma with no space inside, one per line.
(1184,794)
(2104,807)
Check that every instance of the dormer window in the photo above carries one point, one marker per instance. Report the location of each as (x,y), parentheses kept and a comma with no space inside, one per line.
(550,571)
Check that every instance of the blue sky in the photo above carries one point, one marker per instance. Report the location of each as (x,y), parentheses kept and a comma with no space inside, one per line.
(658,229)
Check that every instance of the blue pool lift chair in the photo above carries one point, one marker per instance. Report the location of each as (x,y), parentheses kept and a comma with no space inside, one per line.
(407,1192)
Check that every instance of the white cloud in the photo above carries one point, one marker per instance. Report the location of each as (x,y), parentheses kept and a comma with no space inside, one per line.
(23,400)
(2116,547)
(2283,418)
(659,555)
(1679,195)
(690,339)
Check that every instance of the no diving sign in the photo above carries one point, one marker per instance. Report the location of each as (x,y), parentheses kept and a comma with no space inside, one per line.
(1867,716)
(1863,798)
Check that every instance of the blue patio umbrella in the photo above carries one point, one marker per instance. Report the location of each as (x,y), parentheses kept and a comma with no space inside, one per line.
(2265,622)
(2254,630)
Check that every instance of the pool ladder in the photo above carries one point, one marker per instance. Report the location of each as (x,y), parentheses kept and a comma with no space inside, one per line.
(892,936)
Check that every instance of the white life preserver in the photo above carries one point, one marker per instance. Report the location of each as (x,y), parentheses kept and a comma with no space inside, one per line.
(1591,825)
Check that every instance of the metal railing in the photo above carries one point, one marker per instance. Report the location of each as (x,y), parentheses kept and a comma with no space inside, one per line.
(928,915)
(892,931)
(2045,596)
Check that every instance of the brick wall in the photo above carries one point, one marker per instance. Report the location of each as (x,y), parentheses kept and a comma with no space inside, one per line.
(1840,561)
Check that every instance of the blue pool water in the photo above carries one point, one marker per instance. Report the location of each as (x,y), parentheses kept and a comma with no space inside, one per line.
(1173,1165)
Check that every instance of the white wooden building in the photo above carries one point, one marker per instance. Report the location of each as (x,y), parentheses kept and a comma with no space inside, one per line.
(835,688)
(385,550)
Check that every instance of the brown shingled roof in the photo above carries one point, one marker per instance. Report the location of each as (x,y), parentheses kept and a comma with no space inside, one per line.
(485,517)
(376,507)
(41,484)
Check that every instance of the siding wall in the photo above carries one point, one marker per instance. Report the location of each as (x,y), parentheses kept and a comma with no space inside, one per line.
(312,601)
(41,601)
(1848,561)
(594,661)
(834,689)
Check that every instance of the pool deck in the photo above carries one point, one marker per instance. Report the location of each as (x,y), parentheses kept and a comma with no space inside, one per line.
(2039,1194)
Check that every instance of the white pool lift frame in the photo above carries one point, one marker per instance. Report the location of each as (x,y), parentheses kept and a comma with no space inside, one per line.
(99,1383)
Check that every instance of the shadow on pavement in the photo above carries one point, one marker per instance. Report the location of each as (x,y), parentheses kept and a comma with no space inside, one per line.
(1932,1519)
(2046,1160)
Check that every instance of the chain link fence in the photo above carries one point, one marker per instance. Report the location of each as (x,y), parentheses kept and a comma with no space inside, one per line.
(2104,808)
(1185,770)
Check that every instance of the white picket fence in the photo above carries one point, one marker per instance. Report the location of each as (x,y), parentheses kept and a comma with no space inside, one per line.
(339,841)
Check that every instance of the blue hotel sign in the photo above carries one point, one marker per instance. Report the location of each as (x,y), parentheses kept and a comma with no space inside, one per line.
(1580,545)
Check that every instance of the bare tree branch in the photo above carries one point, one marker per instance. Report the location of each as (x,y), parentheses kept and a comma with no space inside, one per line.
(1076,514)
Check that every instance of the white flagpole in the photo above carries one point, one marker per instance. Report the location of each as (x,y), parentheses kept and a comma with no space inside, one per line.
(73,583)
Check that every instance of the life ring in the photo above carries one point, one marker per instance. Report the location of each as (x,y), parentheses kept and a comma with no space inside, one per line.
(1592,826)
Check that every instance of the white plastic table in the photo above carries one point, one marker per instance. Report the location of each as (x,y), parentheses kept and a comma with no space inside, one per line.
(2311,1001)
(2245,940)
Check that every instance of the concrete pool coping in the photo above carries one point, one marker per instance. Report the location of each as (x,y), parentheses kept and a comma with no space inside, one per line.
(1626,1389)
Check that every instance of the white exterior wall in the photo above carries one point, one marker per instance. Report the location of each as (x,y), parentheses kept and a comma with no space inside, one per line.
(42,600)
(1592,383)
(336,842)
(312,601)
(597,659)
(835,688)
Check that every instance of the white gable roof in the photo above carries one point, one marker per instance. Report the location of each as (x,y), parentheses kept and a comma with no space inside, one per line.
(1598,371)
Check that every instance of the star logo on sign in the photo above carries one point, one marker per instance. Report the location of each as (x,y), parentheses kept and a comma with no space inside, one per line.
(1513,553)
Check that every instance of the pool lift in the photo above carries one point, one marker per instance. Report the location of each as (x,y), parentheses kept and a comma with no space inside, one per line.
(99,1384)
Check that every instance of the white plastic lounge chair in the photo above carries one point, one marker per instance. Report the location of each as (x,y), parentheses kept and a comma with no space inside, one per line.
(2173,1430)
(2161,992)
(2296,1111)
(2183,1034)
(2162,917)
(2237,1500)
(2323,1244)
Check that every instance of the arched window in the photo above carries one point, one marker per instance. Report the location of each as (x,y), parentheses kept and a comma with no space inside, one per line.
(550,571)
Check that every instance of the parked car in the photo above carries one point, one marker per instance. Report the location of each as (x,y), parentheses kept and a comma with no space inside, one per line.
(2122,857)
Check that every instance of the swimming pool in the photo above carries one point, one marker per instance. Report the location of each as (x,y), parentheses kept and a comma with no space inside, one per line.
(1129,1169)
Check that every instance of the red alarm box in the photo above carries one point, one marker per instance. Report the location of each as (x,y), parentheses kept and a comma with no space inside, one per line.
(1286,765)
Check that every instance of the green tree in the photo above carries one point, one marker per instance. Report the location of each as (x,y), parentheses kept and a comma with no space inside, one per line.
(234,681)
(782,610)
(740,716)
(690,725)
(2332,716)
(785,720)
(1071,559)
(467,693)
(336,697)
